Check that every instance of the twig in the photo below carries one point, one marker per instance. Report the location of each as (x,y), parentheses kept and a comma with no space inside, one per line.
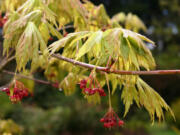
(107,70)
(109,91)
(27,77)
(67,27)
(6,60)
(4,86)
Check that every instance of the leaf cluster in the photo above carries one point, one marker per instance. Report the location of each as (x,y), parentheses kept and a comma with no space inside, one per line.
(97,39)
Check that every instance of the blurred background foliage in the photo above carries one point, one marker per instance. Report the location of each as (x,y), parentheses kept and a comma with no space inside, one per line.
(49,112)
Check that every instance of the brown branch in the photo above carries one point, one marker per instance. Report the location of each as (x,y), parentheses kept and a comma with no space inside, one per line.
(66,27)
(7,59)
(27,77)
(107,70)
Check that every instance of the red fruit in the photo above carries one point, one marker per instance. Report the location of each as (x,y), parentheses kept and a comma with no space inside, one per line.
(7,90)
(16,90)
(110,119)
(107,125)
(55,85)
(3,21)
(101,92)
(1,24)
(120,123)
(95,89)
(19,92)
(25,93)
(92,92)
(83,81)
(113,124)
(87,91)
(83,84)
(8,93)
(102,120)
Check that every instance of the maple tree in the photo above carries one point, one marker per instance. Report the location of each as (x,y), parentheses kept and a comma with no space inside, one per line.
(97,51)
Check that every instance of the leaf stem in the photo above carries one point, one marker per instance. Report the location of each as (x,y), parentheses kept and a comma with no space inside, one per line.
(109,91)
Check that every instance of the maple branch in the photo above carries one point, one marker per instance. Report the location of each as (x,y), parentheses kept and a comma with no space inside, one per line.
(107,70)
(6,60)
(4,86)
(67,27)
(27,77)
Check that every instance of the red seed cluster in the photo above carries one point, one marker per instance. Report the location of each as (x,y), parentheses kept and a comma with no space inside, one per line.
(6,90)
(55,85)
(3,20)
(91,90)
(18,93)
(111,120)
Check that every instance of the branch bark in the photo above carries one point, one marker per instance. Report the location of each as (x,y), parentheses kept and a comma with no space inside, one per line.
(107,70)
(27,77)
(7,59)
(91,67)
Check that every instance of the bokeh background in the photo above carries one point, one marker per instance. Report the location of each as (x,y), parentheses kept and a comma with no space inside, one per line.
(50,112)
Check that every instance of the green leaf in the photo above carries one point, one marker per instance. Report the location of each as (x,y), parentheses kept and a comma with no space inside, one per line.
(28,46)
(44,31)
(129,94)
(154,102)
(68,85)
(133,56)
(53,31)
(56,46)
(22,22)
(93,99)
(120,17)
(94,39)
(124,48)
(114,82)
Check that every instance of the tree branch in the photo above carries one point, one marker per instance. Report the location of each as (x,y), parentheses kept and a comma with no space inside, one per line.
(107,70)
(4,86)
(6,60)
(27,77)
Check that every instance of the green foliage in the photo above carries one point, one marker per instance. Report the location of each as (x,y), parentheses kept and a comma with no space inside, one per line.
(131,46)
(96,40)
(118,43)
(69,83)
(27,31)
(6,128)
(28,46)
(9,5)
(129,21)
(152,101)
